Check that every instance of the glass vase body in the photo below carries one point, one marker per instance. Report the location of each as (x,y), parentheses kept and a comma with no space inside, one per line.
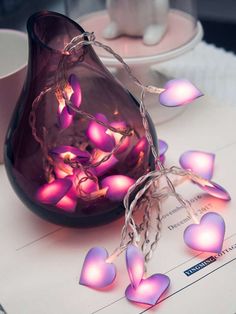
(37,132)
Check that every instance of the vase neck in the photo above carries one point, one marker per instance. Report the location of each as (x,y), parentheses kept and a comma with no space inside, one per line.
(48,35)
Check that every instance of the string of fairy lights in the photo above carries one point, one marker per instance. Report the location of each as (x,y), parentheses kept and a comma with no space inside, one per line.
(139,237)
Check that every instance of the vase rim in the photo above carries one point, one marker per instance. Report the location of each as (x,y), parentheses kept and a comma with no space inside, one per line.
(45,13)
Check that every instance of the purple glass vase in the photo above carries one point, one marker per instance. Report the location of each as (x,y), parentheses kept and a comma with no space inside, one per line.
(65,153)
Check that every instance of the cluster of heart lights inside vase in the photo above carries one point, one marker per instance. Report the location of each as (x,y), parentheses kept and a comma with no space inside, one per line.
(67,184)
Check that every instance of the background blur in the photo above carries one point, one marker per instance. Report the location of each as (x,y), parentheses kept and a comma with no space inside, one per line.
(218,17)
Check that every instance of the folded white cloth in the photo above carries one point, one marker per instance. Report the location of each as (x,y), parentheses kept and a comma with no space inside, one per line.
(210,68)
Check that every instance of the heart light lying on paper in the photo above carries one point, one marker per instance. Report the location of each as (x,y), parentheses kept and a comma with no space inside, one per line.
(214,189)
(208,235)
(199,162)
(96,272)
(149,290)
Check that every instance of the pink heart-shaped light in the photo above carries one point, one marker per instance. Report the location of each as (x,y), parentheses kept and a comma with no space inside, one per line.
(135,265)
(105,166)
(137,152)
(199,162)
(149,290)
(213,189)
(96,272)
(51,193)
(70,152)
(67,203)
(62,170)
(119,125)
(178,92)
(84,184)
(163,146)
(65,118)
(76,96)
(208,235)
(98,136)
(117,186)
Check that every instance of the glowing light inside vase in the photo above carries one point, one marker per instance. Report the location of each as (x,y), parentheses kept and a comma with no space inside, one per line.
(120,125)
(84,185)
(178,92)
(96,272)
(98,155)
(76,95)
(71,153)
(98,136)
(67,203)
(199,162)
(141,146)
(138,151)
(208,235)
(135,265)
(51,193)
(62,170)
(117,185)
(64,117)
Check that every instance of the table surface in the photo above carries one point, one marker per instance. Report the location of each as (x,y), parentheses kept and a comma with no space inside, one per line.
(40,262)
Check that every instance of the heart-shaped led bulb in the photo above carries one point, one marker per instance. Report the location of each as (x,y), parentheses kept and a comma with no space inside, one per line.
(51,193)
(214,189)
(69,152)
(208,235)
(97,134)
(96,272)
(137,152)
(178,92)
(134,264)
(163,146)
(199,162)
(105,166)
(119,125)
(65,118)
(149,290)
(76,97)
(117,186)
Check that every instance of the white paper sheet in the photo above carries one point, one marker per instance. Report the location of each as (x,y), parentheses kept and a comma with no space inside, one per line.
(40,262)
